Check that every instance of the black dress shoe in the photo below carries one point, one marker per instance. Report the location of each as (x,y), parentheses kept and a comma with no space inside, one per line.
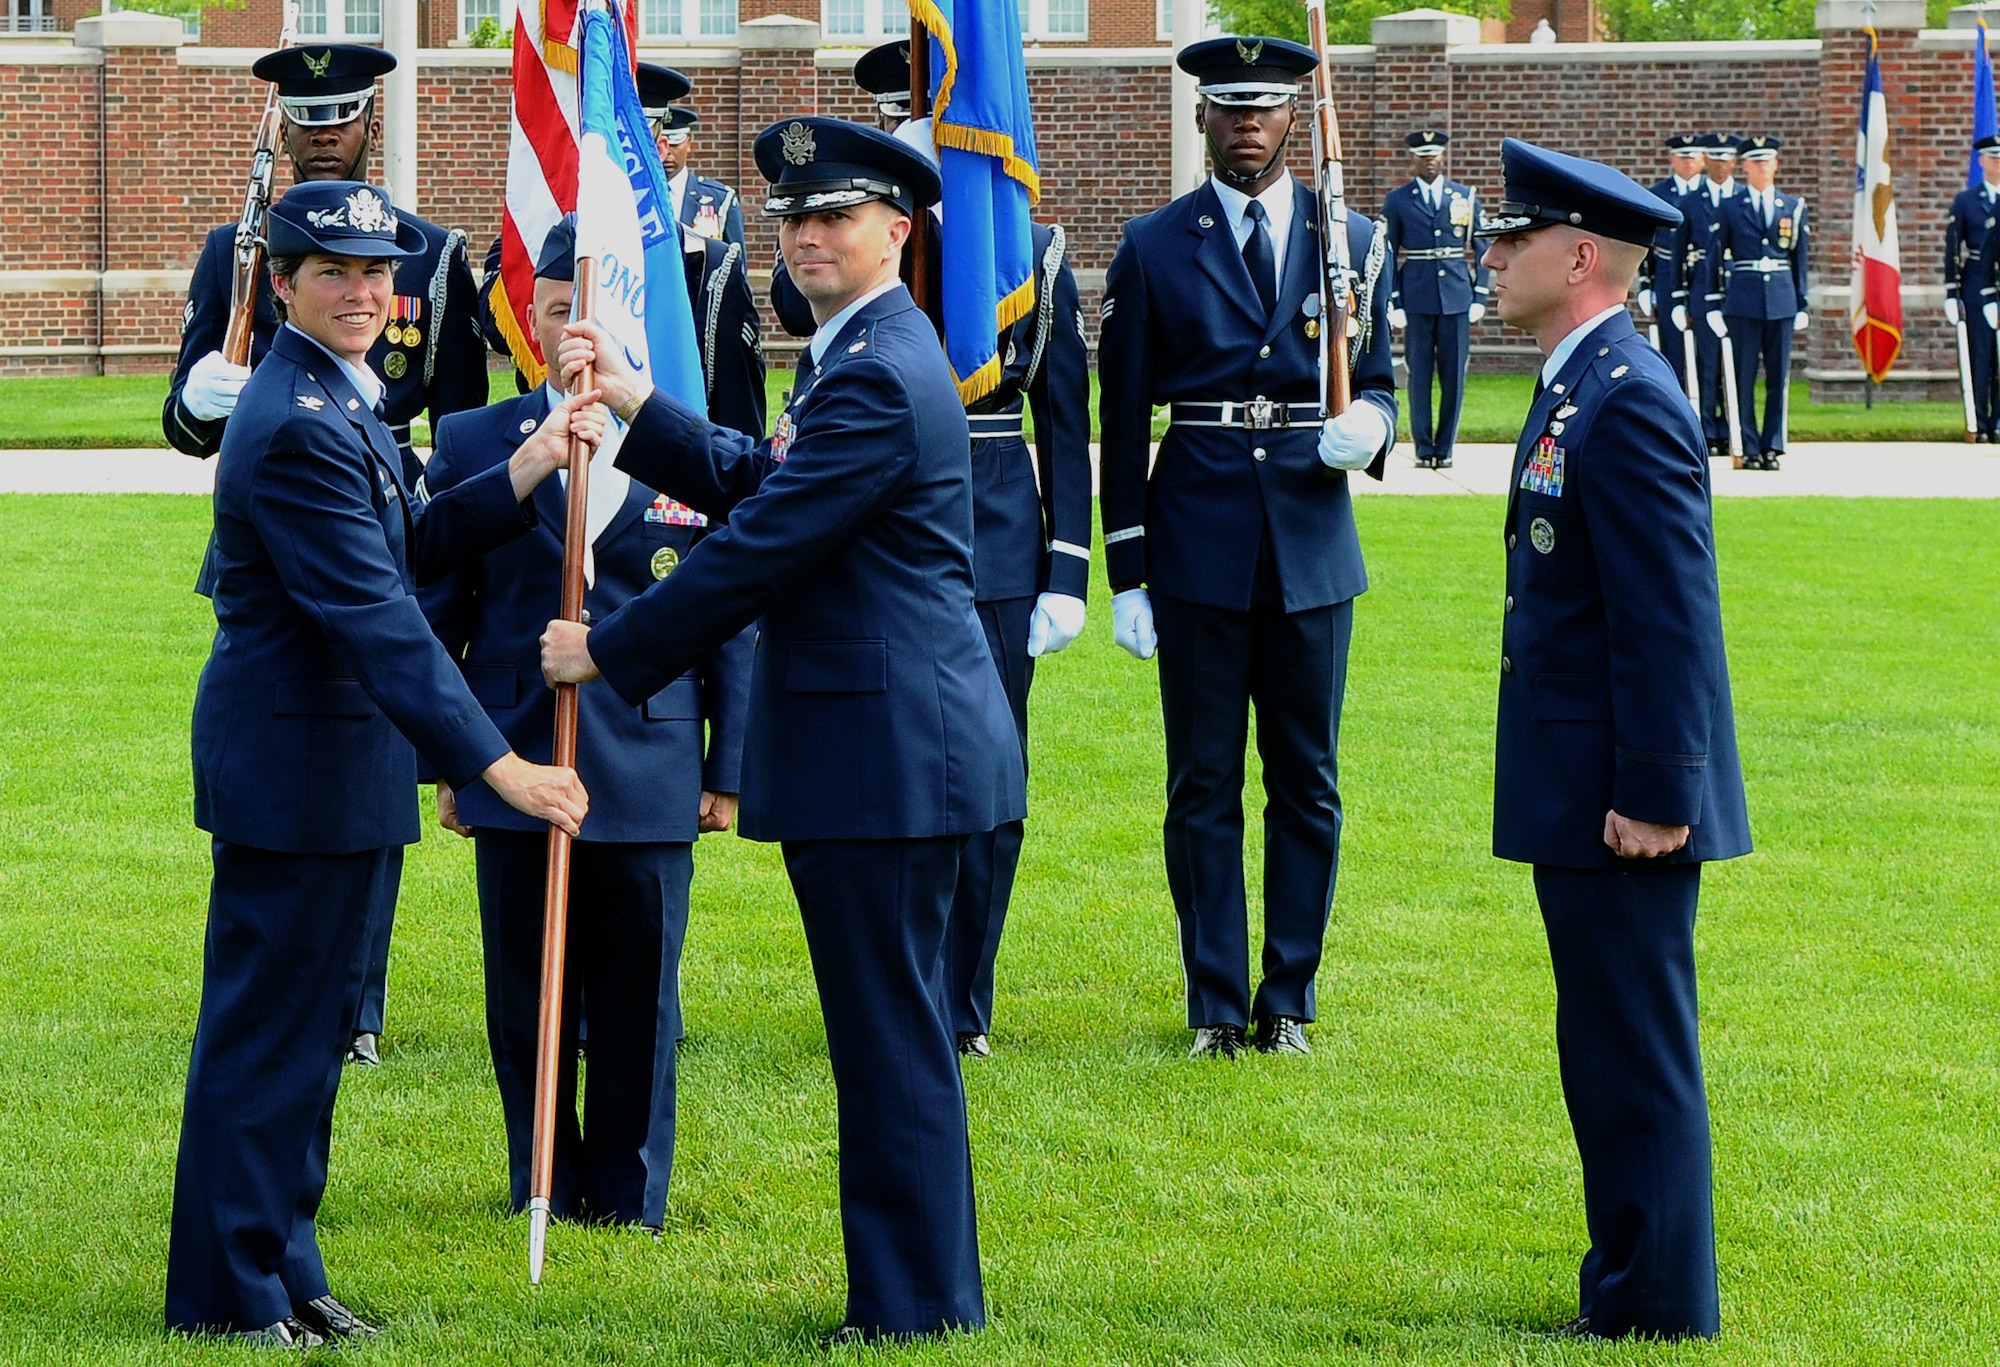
(286,1333)
(1770,460)
(1281,1035)
(854,1335)
(1440,462)
(1577,1329)
(328,1318)
(364,1050)
(973,1044)
(1217,1041)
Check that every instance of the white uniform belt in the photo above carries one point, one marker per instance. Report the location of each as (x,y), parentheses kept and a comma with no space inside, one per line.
(1763,265)
(1256,415)
(1434,254)
(989,425)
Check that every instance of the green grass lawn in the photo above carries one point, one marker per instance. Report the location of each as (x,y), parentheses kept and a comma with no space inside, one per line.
(125,411)
(1408,1194)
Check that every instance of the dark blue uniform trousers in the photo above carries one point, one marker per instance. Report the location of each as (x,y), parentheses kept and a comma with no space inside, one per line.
(369,1019)
(1715,417)
(1622,944)
(1436,345)
(1671,346)
(1755,340)
(628,911)
(987,866)
(1215,664)
(874,914)
(281,974)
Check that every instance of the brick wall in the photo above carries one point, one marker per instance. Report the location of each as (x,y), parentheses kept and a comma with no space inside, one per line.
(176,123)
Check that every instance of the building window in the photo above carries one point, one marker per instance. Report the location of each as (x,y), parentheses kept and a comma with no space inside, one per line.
(682,18)
(1056,18)
(340,18)
(867,20)
(718,18)
(472,13)
(1210,27)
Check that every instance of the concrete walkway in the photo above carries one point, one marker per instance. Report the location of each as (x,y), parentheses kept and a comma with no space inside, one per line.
(1837,469)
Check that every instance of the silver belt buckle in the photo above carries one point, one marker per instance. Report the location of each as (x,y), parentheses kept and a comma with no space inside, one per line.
(1257,414)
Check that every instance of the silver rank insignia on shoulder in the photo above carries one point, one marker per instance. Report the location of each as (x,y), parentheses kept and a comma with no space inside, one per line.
(312,401)
(353,404)
(1618,373)
(858,347)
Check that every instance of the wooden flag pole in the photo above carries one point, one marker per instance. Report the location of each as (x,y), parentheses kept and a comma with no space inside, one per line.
(555,903)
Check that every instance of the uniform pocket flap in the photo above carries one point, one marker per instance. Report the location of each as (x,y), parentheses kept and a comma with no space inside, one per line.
(1572,697)
(493,685)
(321,698)
(678,701)
(838,667)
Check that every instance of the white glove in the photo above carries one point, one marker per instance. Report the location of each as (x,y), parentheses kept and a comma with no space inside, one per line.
(1397,318)
(1350,441)
(1056,621)
(1717,324)
(1475,313)
(1803,320)
(1951,310)
(213,386)
(1680,316)
(1645,301)
(1132,623)
(1992,312)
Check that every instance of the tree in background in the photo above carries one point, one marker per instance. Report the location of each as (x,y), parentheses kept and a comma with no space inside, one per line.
(1346,20)
(183,10)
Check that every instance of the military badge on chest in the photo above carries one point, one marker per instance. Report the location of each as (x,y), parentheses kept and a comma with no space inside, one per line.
(1785,233)
(1461,214)
(707,222)
(1543,474)
(668,513)
(781,436)
(406,313)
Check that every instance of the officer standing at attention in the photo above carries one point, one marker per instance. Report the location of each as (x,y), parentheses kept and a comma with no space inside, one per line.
(652,788)
(323,684)
(1702,315)
(1237,557)
(705,207)
(1615,773)
(879,735)
(1764,241)
(1968,284)
(1436,298)
(1663,274)
(430,356)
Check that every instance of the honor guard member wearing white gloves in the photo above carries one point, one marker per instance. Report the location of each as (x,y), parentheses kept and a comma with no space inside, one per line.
(879,735)
(1764,246)
(323,684)
(653,785)
(1969,244)
(705,207)
(1439,291)
(1702,232)
(1615,773)
(430,356)
(1663,275)
(1238,557)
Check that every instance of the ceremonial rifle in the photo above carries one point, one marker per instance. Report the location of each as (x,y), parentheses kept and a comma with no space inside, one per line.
(1336,284)
(1965,378)
(920,108)
(256,201)
(555,889)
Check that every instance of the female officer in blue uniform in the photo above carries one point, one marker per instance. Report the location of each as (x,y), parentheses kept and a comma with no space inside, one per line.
(323,682)
(1615,772)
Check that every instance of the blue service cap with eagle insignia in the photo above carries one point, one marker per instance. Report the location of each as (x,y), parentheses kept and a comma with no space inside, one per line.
(326,84)
(884,72)
(339,218)
(558,256)
(659,88)
(1720,145)
(1682,143)
(815,164)
(677,125)
(1762,147)
(1544,188)
(1259,72)
(1427,142)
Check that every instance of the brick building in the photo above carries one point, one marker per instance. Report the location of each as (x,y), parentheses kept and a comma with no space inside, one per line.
(123,145)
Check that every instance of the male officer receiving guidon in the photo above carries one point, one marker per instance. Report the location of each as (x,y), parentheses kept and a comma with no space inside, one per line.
(879,735)
(1615,773)
(1238,557)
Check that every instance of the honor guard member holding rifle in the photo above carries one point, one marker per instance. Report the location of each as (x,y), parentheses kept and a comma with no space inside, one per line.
(1439,291)
(1968,285)
(653,787)
(323,684)
(1031,532)
(1764,241)
(1615,773)
(1237,557)
(879,735)
(1664,273)
(429,356)
(706,208)
(1702,232)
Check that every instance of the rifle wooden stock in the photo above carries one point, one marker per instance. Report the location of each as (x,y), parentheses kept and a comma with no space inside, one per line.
(250,223)
(918,258)
(1336,264)
(555,889)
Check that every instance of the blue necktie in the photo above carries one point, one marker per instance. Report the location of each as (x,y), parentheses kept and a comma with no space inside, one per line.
(1260,259)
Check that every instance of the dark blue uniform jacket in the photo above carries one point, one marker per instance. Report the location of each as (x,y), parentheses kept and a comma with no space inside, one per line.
(726,208)
(324,672)
(644,767)
(1442,285)
(1614,692)
(1749,292)
(875,708)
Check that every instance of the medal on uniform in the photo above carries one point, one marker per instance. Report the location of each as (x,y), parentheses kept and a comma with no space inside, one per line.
(1543,534)
(707,223)
(395,365)
(668,513)
(1543,474)
(394,334)
(1784,232)
(404,310)
(781,436)
(1312,329)
(665,560)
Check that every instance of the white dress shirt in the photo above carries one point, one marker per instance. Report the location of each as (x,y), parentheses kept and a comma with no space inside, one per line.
(1277,202)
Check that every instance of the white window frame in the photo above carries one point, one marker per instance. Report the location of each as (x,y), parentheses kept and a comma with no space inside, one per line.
(873,29)
(502,15)
(688,13)
(336,24)
(1163,21)
(1035,24)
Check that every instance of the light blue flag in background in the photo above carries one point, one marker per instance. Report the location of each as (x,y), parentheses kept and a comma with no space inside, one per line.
(985,138)
(1985,122)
